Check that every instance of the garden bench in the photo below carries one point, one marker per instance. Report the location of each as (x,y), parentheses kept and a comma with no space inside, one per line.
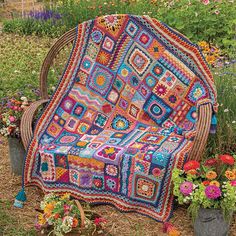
(136,100)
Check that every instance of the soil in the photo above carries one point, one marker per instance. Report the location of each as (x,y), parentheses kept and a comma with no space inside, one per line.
(118,223)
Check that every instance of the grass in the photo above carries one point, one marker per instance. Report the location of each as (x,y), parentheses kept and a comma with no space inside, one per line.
(9,225)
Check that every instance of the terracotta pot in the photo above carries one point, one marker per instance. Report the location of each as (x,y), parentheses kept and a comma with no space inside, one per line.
(16,154)
(210,222)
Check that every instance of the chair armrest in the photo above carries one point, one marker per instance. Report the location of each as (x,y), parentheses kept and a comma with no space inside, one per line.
(27,120)
(202,131)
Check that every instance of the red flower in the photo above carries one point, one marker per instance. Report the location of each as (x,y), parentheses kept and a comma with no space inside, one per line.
(191,165)
(227,159)
(99,220)
(210,162)
(206,182)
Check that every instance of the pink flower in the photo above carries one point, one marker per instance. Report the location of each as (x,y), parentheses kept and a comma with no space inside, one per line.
(217,12)
(212,192)
(66,209)
(12,119)
(233,183)
(205,2)
(186,188)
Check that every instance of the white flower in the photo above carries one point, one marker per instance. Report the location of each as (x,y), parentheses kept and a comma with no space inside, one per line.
(53,88)
(226,110)
(24,99)
(233,122)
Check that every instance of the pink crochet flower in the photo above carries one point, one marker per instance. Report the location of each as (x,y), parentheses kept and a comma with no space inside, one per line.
(212,192)
(186,188)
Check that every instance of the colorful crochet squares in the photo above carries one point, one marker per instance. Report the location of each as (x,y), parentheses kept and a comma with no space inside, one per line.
(157,109)
(100,80)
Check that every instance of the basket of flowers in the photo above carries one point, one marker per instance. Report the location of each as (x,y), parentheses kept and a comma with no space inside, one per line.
(60,215)
(209,189)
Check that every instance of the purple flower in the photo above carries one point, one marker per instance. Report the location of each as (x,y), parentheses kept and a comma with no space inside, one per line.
(186,188)
(45,15)
(212,192)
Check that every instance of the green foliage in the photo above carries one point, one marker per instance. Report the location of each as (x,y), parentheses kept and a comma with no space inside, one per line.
(225,138)
(214,22)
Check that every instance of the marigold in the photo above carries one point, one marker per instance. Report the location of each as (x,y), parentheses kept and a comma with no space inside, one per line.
(227,159)
(211,175)
(230,175)
(215,182)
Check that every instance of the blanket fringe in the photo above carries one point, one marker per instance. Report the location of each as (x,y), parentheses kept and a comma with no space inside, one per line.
(20,198)
(170,229)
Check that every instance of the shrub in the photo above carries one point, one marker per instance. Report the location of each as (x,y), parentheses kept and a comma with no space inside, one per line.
(210,20)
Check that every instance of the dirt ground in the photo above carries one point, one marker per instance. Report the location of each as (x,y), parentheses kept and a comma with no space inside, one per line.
(119,224)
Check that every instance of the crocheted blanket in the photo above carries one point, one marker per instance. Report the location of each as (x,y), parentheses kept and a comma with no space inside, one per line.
(120,118)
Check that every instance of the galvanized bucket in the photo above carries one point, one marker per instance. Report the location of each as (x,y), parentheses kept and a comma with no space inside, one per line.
(210,222)
(16,154)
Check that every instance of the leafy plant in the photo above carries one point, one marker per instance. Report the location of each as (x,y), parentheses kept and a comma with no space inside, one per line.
(211,184)
(212,21)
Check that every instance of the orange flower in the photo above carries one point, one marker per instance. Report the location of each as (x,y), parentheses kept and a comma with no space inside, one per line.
(49,208)
(206,182)
(230,175)
(234,171)
(192,172)
(211,175)
(215,182)
(75,222)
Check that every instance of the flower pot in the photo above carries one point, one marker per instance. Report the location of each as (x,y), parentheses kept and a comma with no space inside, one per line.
(210,222)
(16,154)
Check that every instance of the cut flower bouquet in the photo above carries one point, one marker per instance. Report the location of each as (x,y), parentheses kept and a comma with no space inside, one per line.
(209,184)
(59,215)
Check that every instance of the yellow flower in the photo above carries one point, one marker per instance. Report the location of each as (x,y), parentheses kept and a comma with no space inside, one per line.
(215,182)
(211,175)
(203,44)
(65,196)
(41,219)
(210,59)
(49,208)
(230,175)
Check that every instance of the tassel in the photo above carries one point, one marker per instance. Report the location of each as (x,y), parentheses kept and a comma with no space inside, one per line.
(20,199)
(170,229)
(213,124)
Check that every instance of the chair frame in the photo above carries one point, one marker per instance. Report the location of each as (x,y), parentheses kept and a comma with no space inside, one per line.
(204,111)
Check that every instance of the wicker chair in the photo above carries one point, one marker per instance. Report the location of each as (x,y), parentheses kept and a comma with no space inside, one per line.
(204,113)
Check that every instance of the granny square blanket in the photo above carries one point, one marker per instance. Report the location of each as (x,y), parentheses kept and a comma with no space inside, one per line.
(122,117)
